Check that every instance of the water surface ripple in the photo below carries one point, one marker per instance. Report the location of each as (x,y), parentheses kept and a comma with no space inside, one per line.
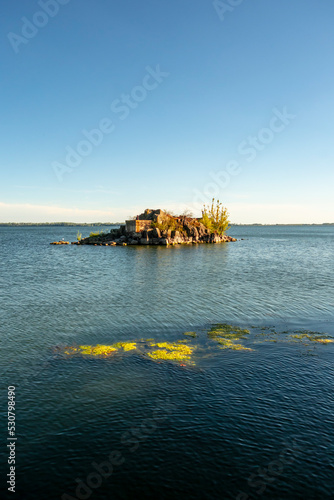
(236,425)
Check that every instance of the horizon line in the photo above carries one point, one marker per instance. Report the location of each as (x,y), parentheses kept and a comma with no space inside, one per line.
(123,222)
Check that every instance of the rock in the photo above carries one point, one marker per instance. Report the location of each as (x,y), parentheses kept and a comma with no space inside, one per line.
(156,233)
(144,238)
(201,230)
(188,228)
(189,231)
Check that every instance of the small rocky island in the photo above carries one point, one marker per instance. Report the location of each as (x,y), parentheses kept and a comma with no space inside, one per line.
(156,227)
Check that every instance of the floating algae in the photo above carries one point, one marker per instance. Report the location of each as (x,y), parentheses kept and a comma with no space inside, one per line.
(127,346)
(227,331)
(170,355)
(89,350)
(171,351)
(228,344)
(304,337)
(312,338)
(190,334)
(210,342)
(171,346)
(225,335)
(174,351)
(99,350)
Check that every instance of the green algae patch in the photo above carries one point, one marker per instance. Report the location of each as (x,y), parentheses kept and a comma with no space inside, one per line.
(229,344)
(227,331)
(227,335)
(312,338)
(211,341)
(190,334)
(169,355)
(171,346)
(126,346)
(89,350)
(129,346)
(171,351)
(99,350)
(303,337)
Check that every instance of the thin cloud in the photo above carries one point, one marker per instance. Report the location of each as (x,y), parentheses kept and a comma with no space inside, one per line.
(27,212)
(97,189)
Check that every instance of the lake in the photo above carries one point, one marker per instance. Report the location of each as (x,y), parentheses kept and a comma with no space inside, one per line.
(248,414)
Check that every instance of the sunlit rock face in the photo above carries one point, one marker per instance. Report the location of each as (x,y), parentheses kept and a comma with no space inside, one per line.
(156,227)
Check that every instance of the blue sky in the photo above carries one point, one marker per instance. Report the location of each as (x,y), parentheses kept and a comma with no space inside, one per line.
(194,100)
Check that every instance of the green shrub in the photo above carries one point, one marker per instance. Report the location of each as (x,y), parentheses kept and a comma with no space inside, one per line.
(216,217)
(95,235)
(168,223)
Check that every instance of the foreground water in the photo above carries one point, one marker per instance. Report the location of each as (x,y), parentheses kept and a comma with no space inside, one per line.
(232,423)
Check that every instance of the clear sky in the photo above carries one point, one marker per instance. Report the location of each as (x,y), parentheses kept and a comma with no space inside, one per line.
(110,107)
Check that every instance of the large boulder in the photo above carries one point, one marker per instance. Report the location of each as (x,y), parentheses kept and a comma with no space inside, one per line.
(156,233)
(201,230)
(194,233)
(154,215)
(150,234)
(188,228)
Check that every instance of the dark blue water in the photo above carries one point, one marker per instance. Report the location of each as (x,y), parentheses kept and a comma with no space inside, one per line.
(234,424)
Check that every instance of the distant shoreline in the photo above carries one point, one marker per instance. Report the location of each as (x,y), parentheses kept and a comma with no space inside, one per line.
(58,224)
(94,224)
